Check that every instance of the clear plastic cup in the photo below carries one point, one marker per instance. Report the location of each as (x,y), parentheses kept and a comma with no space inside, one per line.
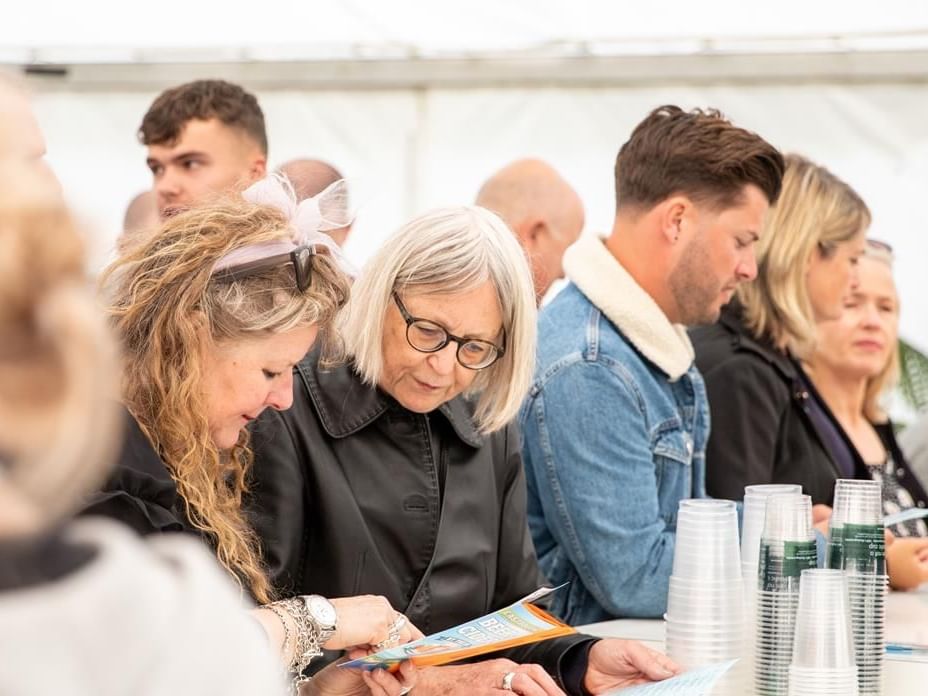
(823,638)
(788,518)
(707,603)
(707,546)
(857,501)
(753,516)
(814,682)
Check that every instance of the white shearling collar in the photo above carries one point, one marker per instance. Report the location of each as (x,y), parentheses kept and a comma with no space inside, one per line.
(599,276)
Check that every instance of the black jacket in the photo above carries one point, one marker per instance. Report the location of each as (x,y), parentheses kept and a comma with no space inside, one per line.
(354,494)
(761,428)
(141,491)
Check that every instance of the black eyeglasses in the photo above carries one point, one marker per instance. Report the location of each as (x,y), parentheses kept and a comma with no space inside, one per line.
(429,337)
(301,258)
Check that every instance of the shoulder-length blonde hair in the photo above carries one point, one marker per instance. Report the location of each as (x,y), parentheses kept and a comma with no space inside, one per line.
(447,251)
(58,363)
(162,302)
(816,211)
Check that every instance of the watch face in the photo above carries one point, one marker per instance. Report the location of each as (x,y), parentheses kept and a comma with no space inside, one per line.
(322,610)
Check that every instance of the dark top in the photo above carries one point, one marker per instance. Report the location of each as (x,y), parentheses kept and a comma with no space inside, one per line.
(762,428)
(33,561)
(901,489)
(141,491)
(346,499)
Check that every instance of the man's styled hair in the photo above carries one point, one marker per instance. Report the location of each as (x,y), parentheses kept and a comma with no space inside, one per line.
(700,154)
(203,99)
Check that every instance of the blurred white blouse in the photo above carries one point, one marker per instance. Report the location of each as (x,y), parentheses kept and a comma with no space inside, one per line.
(140,617)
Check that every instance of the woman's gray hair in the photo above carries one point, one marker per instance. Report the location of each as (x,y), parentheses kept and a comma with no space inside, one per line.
(449,251)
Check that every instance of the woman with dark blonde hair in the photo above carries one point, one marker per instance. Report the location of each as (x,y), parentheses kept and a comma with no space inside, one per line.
(764,423)
(213,311)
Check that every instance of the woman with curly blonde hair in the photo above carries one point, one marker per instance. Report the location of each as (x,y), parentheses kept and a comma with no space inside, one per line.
(213,311)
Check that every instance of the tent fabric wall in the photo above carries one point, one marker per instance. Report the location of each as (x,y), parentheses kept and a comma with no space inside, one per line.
(411,149)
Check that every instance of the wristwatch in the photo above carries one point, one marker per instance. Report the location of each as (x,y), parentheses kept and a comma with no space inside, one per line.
(322,613)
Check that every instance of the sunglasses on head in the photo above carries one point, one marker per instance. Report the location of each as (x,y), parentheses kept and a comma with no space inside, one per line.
(300,258)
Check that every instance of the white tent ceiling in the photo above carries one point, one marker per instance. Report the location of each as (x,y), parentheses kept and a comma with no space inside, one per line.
(120,31)
(419,101)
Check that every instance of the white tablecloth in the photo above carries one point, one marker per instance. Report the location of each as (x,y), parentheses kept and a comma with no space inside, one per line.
(906,622)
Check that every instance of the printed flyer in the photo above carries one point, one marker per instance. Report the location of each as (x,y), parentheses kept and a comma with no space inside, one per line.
(517,624)
(698,682)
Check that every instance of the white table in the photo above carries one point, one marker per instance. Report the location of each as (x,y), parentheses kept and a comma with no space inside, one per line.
(906,622)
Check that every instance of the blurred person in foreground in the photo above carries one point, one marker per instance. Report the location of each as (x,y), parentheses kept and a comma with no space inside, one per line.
(72,590)
(616,422)
(766,419)
(204,139)
(854,364)
(398,472)
(310,177)
(543,211)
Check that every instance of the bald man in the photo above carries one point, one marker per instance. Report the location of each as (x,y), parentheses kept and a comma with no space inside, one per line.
(141,218)
(542,209)
(309,178)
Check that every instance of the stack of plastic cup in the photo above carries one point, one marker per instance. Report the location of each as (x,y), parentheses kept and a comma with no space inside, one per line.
(856,545)
(823,649)
(705,602)
(752,527)
(787,548)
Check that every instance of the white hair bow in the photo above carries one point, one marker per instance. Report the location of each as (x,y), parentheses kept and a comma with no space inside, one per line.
(309,219)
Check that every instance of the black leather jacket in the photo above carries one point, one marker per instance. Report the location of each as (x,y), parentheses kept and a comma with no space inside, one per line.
(760,410)
(354,494)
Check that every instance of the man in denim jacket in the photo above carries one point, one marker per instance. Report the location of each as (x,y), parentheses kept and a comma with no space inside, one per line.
(616,423)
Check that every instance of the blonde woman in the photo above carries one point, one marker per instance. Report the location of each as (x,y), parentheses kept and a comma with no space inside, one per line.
(213,311)
(765,427)
(399,472)
(855,362)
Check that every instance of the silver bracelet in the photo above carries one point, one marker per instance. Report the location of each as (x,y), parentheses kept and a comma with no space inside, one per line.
(278,612)
(307,634)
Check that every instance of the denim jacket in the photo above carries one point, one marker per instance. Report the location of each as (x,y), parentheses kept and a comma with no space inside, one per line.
(614,436)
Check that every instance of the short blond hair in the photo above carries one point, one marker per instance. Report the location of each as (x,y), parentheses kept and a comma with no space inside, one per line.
(816,211)
(446,251)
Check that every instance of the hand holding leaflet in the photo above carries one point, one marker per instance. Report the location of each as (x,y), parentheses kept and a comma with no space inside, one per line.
(697,682)
(517,624)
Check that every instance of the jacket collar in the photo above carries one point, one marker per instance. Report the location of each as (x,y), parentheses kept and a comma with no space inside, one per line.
(732,318)
(346,404)
(600,277)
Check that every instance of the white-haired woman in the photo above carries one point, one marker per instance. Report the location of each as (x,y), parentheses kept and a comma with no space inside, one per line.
(399,472)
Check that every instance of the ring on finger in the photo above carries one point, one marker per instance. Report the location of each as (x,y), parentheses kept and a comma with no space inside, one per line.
(507,681)
(405,690)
